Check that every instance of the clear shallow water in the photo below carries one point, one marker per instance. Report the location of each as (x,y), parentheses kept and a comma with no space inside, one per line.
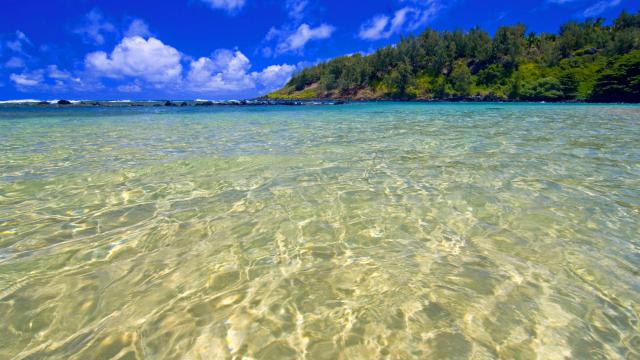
(349,232)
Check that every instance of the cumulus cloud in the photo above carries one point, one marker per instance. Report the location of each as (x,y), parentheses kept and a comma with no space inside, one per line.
(228,71)
(94,28)
(407,18)
(275,76)
(230,6)
(142,62)
(150,60)
(296,41)
(225,70)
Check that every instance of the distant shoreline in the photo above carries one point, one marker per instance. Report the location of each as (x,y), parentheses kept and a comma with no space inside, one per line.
(63,104)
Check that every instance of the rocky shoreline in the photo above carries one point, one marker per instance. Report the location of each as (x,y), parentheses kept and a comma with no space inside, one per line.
(168,103)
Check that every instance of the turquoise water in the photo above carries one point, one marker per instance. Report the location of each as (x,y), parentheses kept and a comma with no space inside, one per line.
(361,231)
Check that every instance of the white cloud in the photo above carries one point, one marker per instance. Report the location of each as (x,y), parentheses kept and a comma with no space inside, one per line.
(94,28)
(130,88)
(273,34)
(55,73)
(375,28)
(150,60)
(27,79)
(292,36)
(593,10)
(49,78)
(228,71)
(225,70)
(230,6)
(401,17)
(296,9)
(408,18)
(138,64)
(275,76)
(296,41)
(599,7)
(14,62)
(19,44)
(266,51)
(138,28)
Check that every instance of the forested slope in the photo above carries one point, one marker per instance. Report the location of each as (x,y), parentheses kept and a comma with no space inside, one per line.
(585,61)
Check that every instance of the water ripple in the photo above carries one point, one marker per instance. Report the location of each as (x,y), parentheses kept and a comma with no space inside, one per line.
(355,232)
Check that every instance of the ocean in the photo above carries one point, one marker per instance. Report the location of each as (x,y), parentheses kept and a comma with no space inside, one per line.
(360,231)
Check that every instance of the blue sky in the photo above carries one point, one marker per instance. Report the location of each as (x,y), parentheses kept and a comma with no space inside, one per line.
(226,49)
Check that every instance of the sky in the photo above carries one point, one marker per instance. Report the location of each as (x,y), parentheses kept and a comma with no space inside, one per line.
(227,49)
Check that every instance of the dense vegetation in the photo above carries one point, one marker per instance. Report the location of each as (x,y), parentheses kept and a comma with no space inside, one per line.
(585,61)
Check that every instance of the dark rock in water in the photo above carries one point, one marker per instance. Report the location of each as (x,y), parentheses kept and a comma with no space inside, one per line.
(43,103)
(493,97)
(490,97)
(291,103)
(64,102)
(184,103)
(204,103)
(169,103)
(339,102)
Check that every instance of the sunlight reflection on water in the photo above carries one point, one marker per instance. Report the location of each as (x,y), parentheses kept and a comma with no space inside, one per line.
(357,231)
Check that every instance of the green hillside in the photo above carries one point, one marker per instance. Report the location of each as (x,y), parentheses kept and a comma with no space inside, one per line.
(585,61)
